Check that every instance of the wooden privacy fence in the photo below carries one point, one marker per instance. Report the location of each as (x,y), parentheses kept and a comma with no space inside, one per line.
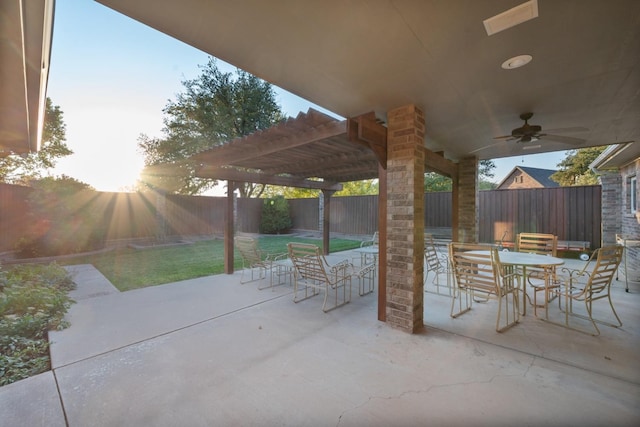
(571,213)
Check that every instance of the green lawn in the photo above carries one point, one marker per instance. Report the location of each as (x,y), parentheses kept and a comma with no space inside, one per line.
(129,268)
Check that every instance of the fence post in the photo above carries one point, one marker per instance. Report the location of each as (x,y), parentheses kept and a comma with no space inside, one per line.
(161,215)
(321,212)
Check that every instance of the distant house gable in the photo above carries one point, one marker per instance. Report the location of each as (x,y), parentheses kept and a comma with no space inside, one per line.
(526,177)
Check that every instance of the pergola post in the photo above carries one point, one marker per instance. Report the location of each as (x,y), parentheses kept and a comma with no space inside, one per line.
(405,218)
(228,229)
(326,219)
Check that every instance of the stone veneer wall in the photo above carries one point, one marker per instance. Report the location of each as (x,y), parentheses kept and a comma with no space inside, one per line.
(617,217)
(611,207)
(405,218)
(630,222)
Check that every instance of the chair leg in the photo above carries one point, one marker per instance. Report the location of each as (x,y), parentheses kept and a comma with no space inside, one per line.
(513,313)
(463,306)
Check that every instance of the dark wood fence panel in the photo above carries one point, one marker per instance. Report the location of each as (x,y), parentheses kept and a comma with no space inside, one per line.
(248,214)
(437,209)
(571,213)
(126,215)
(194,215)
(354,214)
(14,217)
(304,214)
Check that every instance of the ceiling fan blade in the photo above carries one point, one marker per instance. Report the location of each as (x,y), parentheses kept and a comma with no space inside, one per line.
(563,139)
(485,147)
(567,130)
(506,137)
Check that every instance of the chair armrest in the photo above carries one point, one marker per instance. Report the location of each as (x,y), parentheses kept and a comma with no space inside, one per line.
(340,266)
(280,257)
(366,269)
(572,276)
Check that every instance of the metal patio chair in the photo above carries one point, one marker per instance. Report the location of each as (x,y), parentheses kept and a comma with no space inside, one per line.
(588,285)
(312,272)
(539,279)
(253,260)
(436,263)
(477,269)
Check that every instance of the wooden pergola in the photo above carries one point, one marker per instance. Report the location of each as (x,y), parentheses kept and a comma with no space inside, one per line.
(312,151)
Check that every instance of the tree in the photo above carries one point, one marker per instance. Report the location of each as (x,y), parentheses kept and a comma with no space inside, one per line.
(435,182)
(16,169)
(214,108)
(352,188)
(574,168)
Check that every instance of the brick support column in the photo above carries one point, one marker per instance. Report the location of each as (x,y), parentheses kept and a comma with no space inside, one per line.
(405,218)
(467,200)
(611,207)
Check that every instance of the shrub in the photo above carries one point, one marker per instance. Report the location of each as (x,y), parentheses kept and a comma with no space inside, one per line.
(275,216)
(33,301)
(64,219)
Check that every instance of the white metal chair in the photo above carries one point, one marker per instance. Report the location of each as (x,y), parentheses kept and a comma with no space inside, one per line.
(590,285)
(539,279)
(373,241)
(436,263)
(254,260)
(312,272)
(477,269)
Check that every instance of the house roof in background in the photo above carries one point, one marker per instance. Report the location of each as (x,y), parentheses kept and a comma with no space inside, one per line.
(542,176)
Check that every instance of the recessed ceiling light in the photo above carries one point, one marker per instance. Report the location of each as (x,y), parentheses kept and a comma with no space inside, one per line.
(516,62)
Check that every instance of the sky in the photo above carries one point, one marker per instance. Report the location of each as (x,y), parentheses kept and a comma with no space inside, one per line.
(112,76)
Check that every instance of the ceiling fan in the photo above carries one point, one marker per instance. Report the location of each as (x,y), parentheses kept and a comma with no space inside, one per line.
(531,133)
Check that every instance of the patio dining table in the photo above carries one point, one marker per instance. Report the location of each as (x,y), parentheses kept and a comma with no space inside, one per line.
(525,260)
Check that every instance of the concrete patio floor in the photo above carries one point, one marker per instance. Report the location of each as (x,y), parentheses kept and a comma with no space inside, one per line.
(210,351)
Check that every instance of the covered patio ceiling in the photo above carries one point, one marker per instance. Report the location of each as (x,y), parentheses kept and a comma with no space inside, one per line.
(583,84)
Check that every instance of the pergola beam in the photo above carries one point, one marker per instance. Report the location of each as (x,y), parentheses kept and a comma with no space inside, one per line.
(252,146)
(436,162)
(259,178)
(366,130)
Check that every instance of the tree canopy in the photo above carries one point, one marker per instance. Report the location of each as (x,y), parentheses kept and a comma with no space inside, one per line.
(214,108)
(17,169)
(574,168)
(435,182)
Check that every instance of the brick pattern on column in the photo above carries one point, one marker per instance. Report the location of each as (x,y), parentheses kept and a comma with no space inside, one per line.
(611,207)
(405,218)
(468,200)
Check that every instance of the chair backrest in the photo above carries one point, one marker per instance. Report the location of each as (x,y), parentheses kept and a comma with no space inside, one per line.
(607,262)
(430,254)
(373,241)
(308,262)
(475,266)
(248,248)
(537,243)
